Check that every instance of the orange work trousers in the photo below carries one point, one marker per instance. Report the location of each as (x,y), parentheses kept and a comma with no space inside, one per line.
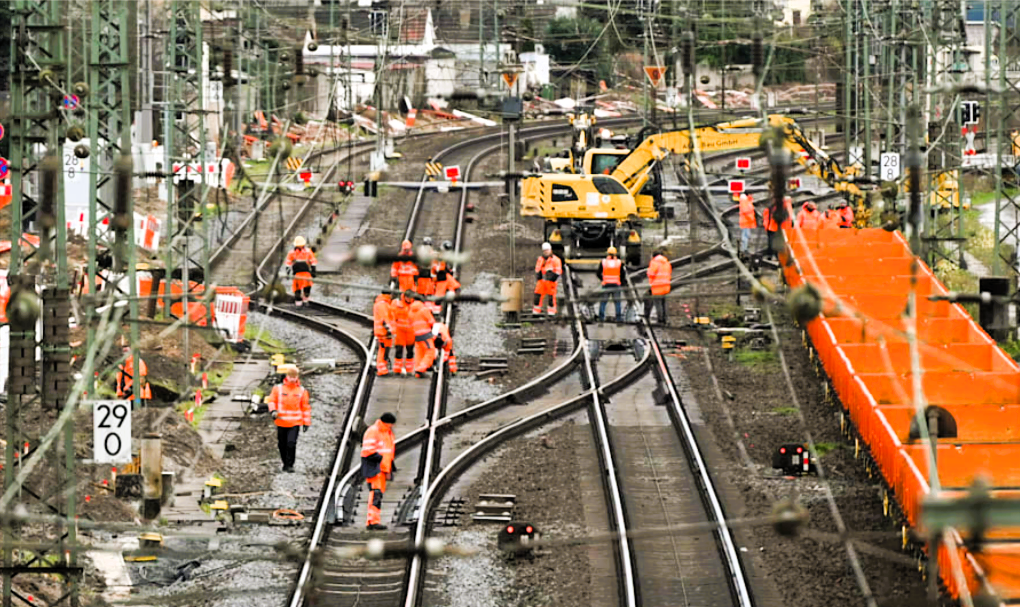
(376,489)
(424,355)
(404,356)
(382,356)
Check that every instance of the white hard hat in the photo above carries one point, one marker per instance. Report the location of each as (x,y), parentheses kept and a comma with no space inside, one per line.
(546,246)
(300,241)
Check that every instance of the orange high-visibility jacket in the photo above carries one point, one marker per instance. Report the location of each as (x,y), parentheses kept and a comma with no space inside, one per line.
(551,268)
(124,377)
(846,217)
(382,316)
(747,217)
(421,320)
(770,223)
(405,272)
(301,260)
(809,217)
(610,271)
(291,404)
(444,336)
(378,439)
(400,312)
(659,275)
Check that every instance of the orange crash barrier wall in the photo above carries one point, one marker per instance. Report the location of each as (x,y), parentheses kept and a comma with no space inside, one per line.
(860,339)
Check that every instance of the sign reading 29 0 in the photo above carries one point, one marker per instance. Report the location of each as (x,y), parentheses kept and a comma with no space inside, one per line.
(111,431)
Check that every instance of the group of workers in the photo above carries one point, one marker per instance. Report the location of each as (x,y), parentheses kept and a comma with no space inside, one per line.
(839,215)
(433,280)
(290,407)
(407,326)
(612,273)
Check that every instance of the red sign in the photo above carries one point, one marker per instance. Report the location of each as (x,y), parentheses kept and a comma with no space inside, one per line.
(743,164)
(736,186)
(655,73)
(452,173)
(305,176)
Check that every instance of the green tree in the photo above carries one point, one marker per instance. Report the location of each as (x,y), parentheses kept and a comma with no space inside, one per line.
(568,40)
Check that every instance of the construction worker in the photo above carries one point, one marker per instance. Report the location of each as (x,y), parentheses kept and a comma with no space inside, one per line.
(748,220)
(377,452)
(441,274)
(660,272)
(611,272)
(832,217)
(289,405)
(405,270)
(383,329)
(125,385)
(403,336)
(846,215)
(809,218)
(548,270)
(301,261)
(769,217)
(426,284)
(424,346)
(444,342)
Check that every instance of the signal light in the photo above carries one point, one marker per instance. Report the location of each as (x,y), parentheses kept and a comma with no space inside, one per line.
(782,450)
(529,529)
(510,529)
(799,450)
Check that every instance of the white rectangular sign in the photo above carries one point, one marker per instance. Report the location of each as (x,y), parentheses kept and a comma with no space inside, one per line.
(111,431)
(890,166)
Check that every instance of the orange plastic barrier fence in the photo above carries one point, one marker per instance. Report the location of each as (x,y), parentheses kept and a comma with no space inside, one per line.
(860,340)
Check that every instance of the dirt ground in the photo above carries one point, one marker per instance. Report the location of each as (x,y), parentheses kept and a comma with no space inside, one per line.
(811,569)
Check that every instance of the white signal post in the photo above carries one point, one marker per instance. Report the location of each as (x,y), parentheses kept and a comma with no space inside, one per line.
(111,431)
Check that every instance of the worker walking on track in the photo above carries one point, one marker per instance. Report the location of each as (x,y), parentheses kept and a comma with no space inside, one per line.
(405,270)
(125,373)
(611,273)
(403,336)
(377,452)
(301,261)
(444,342)
(809,218)
(748,221)
(775,220)
(440,275)
(424,346)
(426,283)
(548,270)
(660,273)
(383,329)
(290,407)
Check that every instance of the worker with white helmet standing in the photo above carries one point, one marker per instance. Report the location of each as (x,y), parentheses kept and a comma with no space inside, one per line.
(548,270)
(301,262)
(612,273)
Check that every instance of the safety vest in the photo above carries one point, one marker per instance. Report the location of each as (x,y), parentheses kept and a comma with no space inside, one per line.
(400,312)
(808,218)
(124,377)
(421,321)
(659,275)
(611,271)
(770,223)
(378,438)
(846,217)
(405,271)
(291,404)
(831,219)
(544,265)
(747,217)
(382,315)
(439,270)
(301,260)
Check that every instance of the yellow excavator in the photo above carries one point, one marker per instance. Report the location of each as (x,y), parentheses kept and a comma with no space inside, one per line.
(618,188)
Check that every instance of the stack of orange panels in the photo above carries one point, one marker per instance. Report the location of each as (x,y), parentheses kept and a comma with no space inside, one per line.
(863,347)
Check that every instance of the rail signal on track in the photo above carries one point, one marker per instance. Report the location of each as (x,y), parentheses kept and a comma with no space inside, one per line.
(793,183)
(510,78)
(346,187)
(433,170)
(452,173)
(970,112)
(969,133)
(306,176)
(744,164)
(655,73)
(736,186)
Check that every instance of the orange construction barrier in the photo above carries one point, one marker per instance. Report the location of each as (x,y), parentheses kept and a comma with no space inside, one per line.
(864,278)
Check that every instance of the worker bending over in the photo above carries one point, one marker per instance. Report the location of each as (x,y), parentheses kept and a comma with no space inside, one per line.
(377,452)
(383,329)
(291,410)
(748,221)
(444,342)
(424,346)
(611,273)
(125,373)
(405,270)
(403,337)
(301,261)
(809,218)
(548,270)
(660,273)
